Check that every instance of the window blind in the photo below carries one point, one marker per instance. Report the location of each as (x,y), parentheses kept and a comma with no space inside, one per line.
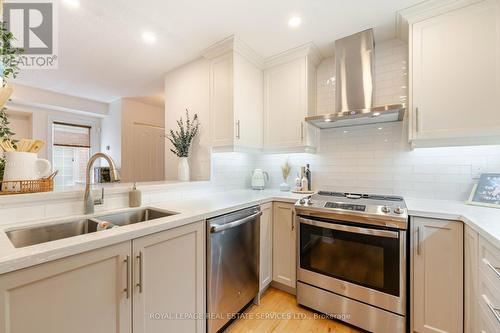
(71,135)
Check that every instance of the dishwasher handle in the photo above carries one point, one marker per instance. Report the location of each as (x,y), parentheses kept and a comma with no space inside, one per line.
(221,227)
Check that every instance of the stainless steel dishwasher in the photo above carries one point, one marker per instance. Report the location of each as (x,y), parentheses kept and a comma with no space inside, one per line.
(232,264)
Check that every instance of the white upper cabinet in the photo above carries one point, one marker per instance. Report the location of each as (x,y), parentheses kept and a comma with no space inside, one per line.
(289,97)
(235,97)
(454,52)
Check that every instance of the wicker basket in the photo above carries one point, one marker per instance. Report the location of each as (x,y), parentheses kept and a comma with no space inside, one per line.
(26,186)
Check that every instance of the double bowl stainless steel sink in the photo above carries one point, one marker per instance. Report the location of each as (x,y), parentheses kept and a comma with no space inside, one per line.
(51,232)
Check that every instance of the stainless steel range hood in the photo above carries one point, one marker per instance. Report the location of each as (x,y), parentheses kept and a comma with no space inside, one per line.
(354,72)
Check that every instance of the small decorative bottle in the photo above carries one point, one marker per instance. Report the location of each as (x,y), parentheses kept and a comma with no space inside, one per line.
(308,176)
(297,183)
(304,183)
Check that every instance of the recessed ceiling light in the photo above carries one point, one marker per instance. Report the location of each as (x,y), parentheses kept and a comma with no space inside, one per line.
(72,3)
(148,37)
(328,120)
(376,114)
(294,21)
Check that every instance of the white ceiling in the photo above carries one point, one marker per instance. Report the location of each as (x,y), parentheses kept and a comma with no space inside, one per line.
(102,56)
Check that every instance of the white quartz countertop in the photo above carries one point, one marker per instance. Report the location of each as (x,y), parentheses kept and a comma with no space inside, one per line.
(189,210)
(485,221)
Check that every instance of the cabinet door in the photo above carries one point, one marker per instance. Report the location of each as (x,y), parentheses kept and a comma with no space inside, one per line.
(455,74)
(284,244)
(221,100)
(79,294)
(248,103)
(285,104)
(471,253)
(437,251)
(266,245)
(169,280)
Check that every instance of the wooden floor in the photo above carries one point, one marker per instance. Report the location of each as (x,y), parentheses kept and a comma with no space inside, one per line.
(285,316)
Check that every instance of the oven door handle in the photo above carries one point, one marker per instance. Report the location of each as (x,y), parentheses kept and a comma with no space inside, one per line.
(347,228)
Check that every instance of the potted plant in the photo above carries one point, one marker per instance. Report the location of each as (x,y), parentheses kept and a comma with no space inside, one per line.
(8,68)
(181,140)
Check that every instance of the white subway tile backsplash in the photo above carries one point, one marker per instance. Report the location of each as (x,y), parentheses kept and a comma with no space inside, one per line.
(343,164)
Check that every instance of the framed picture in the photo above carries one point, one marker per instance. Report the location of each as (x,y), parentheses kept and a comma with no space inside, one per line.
(487,191)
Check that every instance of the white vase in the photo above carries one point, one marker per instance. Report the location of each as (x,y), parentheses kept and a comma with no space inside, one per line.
(183,169)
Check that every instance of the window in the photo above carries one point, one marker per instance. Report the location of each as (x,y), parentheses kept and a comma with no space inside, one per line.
(70,152)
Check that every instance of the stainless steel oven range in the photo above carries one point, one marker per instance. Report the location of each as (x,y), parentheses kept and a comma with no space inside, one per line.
(352,259)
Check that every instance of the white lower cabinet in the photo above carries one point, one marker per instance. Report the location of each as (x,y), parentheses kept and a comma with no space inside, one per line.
(437,275)
(266,246)
(151,279)
(169,281)
(482,284)
(284,244)
(488,290)
(80,294)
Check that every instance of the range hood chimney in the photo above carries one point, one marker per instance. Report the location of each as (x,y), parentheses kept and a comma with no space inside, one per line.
(354,72)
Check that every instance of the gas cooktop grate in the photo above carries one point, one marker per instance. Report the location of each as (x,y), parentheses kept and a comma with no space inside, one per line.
(359,196)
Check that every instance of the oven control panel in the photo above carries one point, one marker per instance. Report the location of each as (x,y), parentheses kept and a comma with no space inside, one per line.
(357,208)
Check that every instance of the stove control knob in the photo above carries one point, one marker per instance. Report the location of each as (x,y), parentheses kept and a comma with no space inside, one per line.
(302,201)
(386,209)
(309,202)
(398,210)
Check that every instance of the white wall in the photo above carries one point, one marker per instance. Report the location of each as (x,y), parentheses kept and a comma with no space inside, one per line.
(111,133)
(188,88)
(119,139)
(45,106)
(21,124)
(42,119)
(140,160)
(35,97)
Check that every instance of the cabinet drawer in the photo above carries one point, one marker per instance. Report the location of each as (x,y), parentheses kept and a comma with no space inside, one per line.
(489,300)
(489,261)
(486,321)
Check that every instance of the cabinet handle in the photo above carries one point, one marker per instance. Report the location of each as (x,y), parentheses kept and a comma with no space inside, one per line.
(301,130)
(127,289)
(237,129)
(496,270)
(419,240)
(139,284)
(492,308)
(293,222)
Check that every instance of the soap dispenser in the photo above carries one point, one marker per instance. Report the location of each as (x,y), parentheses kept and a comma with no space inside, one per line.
(135,197)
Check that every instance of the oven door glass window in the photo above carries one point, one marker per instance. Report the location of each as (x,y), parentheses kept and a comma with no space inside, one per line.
(368,259)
